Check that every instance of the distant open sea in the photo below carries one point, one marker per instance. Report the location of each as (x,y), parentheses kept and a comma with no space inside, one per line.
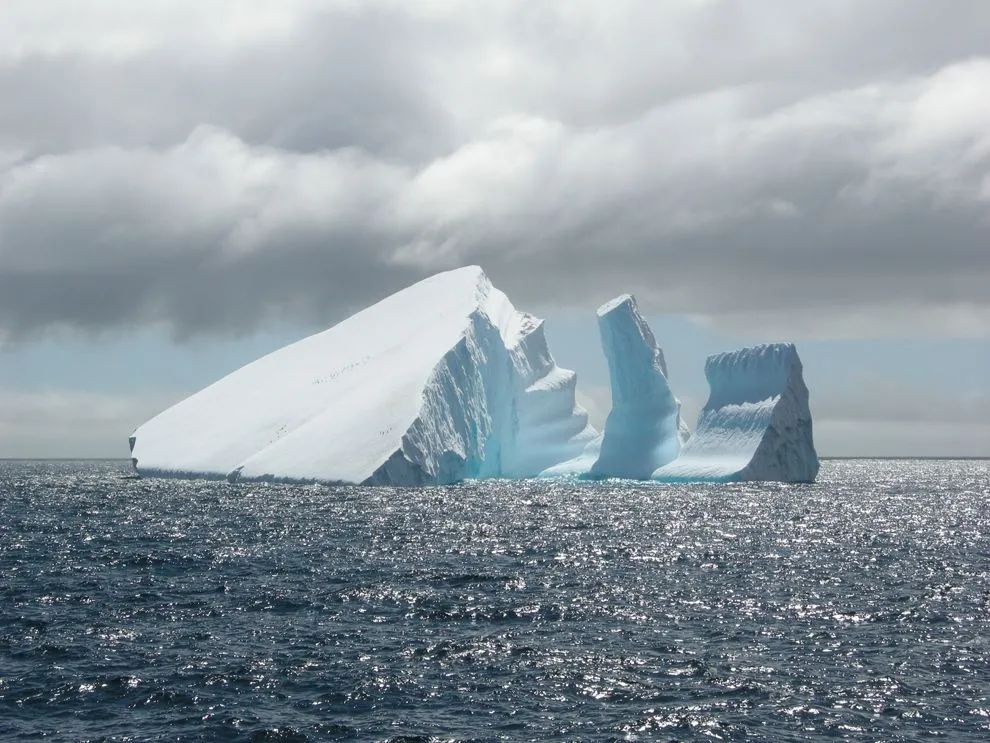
(855,608)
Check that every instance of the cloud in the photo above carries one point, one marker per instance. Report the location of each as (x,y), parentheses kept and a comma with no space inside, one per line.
(206,235)
(37,423)
(817,169)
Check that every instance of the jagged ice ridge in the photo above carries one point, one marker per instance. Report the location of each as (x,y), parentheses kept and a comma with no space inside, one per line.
(439,382)
(445,381)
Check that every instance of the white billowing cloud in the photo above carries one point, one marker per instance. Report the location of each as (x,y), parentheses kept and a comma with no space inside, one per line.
(120,29)
(212,166)
(835,204)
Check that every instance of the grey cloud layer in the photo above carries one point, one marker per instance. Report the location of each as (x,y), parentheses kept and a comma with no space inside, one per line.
(821,167)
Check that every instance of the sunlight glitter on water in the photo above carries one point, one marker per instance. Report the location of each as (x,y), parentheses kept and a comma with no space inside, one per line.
(856,607)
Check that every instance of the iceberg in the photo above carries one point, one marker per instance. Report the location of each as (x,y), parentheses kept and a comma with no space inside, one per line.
(756,425)
(439,382)
(579,466)
(644,429)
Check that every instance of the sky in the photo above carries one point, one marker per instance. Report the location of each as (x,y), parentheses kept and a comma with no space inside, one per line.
(185,186)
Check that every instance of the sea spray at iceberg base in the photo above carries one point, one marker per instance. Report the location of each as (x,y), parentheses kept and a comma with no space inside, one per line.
(442,381)
(756,424)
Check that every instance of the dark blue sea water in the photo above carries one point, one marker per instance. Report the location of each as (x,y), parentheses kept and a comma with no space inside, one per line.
(856,608)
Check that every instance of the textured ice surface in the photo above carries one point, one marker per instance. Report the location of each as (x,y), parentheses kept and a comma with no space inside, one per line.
(580,465)
(756,424)
(441,381)
(643,431)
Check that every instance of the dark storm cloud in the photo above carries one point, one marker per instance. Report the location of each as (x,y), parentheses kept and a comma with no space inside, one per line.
(818,167)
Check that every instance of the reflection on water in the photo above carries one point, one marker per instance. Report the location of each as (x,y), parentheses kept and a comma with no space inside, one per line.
(858,607)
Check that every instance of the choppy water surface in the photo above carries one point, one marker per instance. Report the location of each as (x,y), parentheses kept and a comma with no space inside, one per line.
(154,609)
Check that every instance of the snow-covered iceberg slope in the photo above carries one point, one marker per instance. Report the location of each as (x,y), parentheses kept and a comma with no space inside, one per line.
(756,424)
(643,431)
(441,381)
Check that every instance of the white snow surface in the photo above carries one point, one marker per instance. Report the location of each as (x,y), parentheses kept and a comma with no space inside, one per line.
(644,429)
(756,424)
(441,381)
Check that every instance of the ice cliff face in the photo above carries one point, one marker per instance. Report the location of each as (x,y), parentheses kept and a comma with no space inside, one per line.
(442,381)
(644,429)
(756,424)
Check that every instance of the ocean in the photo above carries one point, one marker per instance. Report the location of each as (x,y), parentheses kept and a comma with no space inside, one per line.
(856,608)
